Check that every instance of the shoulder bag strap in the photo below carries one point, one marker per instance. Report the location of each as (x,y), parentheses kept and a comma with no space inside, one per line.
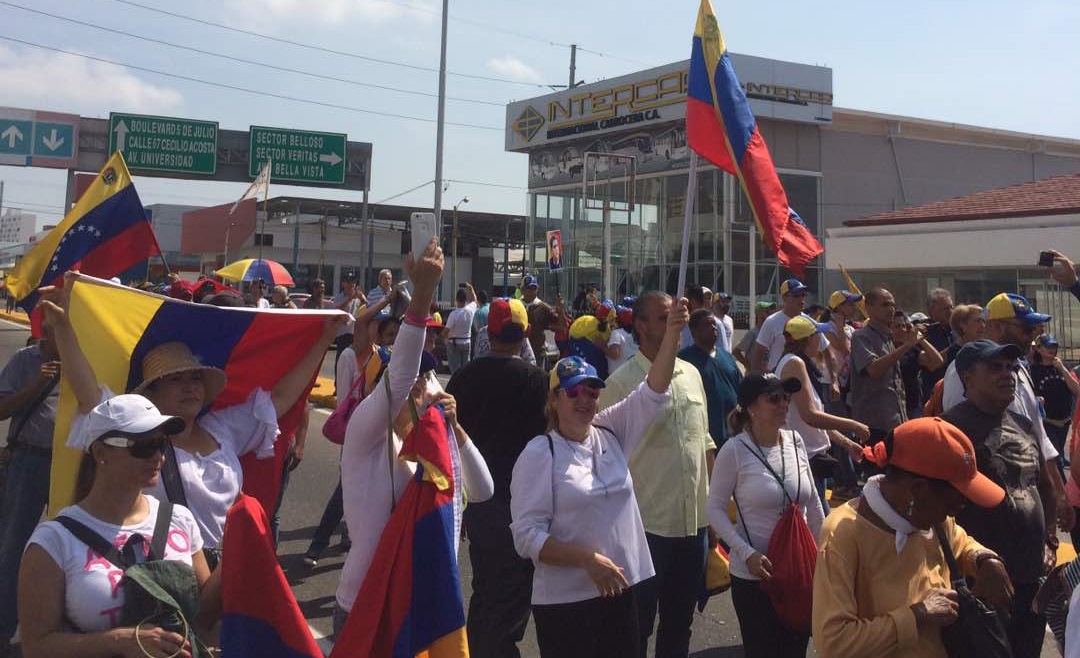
(170,477)
(96,542)
(551,449)
(161,530)
(765,463)
(798,467)
(954,569)
(390,442)
(33,407)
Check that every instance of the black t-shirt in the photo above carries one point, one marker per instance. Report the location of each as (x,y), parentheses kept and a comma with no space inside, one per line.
(1007,452)
(1050,384)
(940,336)
(909,373)
(500,403)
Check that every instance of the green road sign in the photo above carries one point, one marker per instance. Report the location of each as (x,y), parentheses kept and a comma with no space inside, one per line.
(301,156)
(164,143)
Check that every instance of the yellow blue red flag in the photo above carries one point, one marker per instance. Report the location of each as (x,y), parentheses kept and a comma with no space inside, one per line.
(116,326)
(720,126)
(105,234)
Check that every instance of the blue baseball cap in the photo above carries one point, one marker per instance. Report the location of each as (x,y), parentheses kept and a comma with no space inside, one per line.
(529,281)
(1047,340)
(1007,306)
(571,371)
(792,286)
(984,350)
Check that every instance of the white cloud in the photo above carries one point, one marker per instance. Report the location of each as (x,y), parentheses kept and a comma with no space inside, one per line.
(513,68)
(55,81)
(284,12)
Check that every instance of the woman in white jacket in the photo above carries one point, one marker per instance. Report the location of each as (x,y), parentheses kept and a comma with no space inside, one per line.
(574,510)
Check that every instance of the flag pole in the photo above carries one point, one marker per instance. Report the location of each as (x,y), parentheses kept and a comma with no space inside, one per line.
(688,214)
(266,209)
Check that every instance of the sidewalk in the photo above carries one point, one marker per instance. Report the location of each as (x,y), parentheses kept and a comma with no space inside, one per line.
(17,317)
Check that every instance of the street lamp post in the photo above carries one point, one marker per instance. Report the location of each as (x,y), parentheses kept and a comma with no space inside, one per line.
(453,245)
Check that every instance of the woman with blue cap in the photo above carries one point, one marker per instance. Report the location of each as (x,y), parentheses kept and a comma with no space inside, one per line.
(574,510)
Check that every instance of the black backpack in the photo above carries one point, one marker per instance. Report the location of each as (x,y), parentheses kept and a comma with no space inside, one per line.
(157,592)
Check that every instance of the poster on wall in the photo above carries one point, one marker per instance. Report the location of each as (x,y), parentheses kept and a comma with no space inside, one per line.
(554,250)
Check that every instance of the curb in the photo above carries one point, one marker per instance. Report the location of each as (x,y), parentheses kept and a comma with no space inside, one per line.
(322,393)
(17,318)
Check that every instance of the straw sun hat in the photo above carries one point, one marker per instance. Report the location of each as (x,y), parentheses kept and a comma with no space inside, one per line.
(171,358)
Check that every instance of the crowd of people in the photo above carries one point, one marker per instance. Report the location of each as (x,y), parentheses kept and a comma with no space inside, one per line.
(867,471)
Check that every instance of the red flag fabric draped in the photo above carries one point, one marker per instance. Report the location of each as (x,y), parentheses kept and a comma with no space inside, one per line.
(411,603)
(720,126)
(261,617)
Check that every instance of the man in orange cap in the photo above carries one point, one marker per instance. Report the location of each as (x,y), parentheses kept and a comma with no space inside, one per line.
(1007,451)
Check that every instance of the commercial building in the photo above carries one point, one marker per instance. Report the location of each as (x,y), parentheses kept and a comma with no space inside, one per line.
(17,227)
(836,165)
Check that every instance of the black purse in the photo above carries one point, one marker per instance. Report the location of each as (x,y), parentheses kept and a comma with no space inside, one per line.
(978,632)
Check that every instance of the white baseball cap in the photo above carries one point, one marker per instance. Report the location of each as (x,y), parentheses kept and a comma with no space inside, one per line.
(131,416)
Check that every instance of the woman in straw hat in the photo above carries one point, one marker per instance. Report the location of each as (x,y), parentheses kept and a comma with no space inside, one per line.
(206,476)
(883,585)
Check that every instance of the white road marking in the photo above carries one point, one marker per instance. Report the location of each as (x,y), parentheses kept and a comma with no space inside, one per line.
(24,327)
(326,645)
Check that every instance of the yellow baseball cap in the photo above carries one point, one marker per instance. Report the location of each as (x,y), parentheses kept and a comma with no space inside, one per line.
(800,327)
(842,297)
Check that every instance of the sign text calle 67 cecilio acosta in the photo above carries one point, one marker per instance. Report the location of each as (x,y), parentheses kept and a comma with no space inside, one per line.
(157,143)
(300,156)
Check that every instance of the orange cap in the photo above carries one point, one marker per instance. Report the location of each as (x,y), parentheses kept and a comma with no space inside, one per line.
(934,448)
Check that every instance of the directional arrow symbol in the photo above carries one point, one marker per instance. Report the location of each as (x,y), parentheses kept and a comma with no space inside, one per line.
(121,131)
(332,159)
(52,142)
(12,134)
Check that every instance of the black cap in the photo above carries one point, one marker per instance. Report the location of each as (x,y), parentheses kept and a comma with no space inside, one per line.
(984,350)
(756,384)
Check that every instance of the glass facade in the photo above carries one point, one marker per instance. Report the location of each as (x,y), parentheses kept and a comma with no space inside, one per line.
(645,242)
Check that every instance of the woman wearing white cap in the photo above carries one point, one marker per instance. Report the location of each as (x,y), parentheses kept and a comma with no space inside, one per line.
(207,476)
(70,602)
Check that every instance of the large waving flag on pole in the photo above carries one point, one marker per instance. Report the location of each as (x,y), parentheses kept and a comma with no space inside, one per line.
(721,127)
(261,617)
(410,603)
(116,326)
(105,234)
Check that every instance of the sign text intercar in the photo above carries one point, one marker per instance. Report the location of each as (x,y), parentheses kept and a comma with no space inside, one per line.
(164,143)
(300,156)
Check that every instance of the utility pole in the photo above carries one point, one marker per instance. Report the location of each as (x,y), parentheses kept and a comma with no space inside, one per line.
(440,123)
(573,65)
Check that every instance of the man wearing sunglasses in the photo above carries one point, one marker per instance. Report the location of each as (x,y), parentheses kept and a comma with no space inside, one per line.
(770,339)
(1007,451)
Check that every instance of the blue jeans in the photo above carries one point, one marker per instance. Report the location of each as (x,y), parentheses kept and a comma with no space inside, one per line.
(457,353)
(25,497)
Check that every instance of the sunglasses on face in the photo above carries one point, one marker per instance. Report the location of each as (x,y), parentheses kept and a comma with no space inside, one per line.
(142,449)
(777,398)
(579,389)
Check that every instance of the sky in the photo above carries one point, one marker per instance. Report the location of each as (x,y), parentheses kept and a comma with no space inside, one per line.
(1005,65)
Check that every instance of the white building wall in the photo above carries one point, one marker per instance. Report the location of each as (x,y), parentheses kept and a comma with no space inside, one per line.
(17,226)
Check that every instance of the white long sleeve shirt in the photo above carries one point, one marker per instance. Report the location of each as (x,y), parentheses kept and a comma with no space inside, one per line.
(738,472)
(582,493)
(369,487)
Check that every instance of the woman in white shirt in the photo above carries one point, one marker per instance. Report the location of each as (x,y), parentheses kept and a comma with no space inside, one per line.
(749,467)
(574,510)
(372,478)
(70,600)
(209,448)
(807,416)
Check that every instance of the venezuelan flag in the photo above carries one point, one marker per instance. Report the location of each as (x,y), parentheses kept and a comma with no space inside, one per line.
(261,617)
(410,603)
(105,234)
(720,126)
(116,326)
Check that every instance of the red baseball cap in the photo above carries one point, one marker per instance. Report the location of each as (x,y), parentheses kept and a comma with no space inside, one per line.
(937,449)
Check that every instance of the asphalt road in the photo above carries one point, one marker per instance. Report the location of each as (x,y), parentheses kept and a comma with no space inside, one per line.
(715,632)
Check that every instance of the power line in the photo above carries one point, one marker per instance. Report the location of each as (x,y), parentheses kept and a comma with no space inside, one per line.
(411,189)
(324,49)
(246,61)
(485,184)
(246,90)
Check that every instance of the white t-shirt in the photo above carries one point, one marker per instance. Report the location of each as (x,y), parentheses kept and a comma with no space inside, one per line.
(352,308)
(815,439)
(584,494)
(1024,403)
(262,303)
(366,480)
(93,598)
(459,322)
(212,482)
(771,337)
(728,331)
(623,338)
(739,473)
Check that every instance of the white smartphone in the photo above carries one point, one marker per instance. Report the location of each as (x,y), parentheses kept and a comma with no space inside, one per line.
(422,227)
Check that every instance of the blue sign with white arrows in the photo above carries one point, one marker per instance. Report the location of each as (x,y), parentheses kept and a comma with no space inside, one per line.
(38,138)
